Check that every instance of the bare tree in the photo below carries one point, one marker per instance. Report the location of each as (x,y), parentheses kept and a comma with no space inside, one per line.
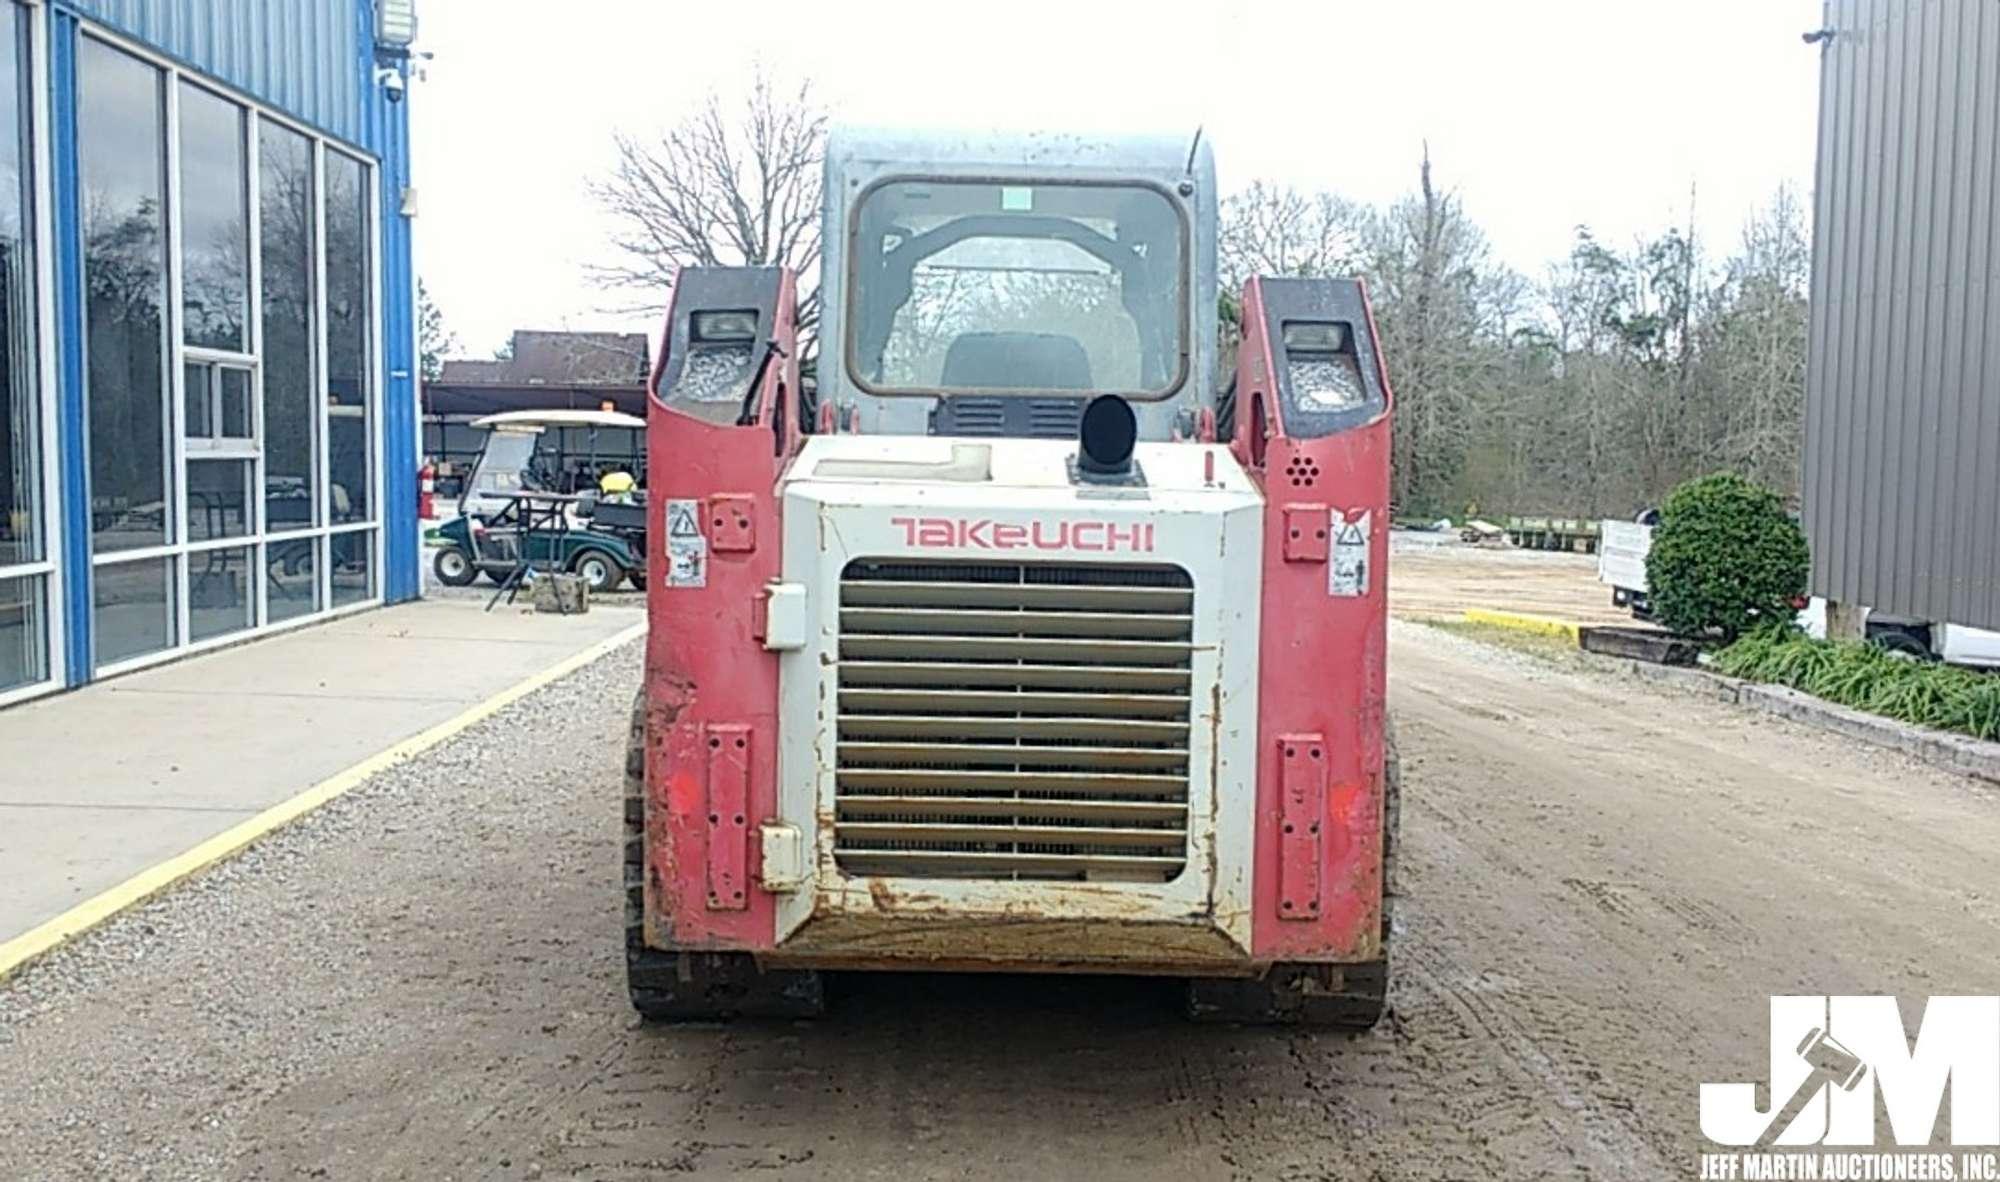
(1268,230)
(1446,311)
(434,338)
(737,183)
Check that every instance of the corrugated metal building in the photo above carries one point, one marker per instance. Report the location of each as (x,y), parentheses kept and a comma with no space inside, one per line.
(1902,455)
(208,423)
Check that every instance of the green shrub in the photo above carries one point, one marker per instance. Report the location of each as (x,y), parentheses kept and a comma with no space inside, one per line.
(1725,559)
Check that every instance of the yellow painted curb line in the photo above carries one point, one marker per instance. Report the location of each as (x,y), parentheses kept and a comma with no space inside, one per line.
(1540,625)
(147,883)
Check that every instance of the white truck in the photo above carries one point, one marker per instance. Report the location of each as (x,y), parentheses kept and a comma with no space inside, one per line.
(1621,565)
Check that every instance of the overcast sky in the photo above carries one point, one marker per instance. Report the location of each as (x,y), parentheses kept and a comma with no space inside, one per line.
(1541,114)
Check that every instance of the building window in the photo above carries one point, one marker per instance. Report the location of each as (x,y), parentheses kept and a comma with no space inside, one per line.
(24,566)
(215,223)
(349,325)
(286,214)
(134,608)
(24,636)
(122,154)
(233,413)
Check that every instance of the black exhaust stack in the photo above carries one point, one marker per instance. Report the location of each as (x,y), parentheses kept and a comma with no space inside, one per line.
(1105,437)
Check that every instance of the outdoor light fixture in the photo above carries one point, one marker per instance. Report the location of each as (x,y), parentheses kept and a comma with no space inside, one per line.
(395,24)
(733,325)
(1312,336)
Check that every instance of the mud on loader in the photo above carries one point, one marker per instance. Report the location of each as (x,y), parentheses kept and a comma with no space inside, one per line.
(1028,644)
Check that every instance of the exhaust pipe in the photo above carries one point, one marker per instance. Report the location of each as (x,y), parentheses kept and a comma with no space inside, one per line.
(1105,438)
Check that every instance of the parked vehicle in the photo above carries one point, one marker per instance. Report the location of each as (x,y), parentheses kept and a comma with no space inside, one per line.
(1621,565)
(509,517)
(1044,651)
(1622,547)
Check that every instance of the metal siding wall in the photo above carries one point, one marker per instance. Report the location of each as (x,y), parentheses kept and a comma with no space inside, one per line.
(390,139)
(1902,464)
(296,55)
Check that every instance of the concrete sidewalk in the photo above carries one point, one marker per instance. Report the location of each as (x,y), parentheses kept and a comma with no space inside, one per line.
(100,784)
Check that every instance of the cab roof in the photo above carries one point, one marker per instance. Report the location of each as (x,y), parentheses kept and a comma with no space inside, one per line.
(1010,152)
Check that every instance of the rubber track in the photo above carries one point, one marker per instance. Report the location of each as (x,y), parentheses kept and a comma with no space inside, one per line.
(643,965)
(1304,994)
(692,986)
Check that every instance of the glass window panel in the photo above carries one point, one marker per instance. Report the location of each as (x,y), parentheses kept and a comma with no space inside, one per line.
(348,312)
(20,417)
(974,285)
(23,633)
(221,598)
(134,608)
(121,158)
(235,404)
(287,503)
(353,567)
(459,437)
(215,222)
(199,394)
(285,210)
(218,499)
(291,579)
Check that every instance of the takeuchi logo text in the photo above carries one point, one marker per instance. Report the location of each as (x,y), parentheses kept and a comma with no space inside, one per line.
(980,533)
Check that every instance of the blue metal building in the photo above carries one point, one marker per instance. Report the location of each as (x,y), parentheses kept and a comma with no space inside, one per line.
(208,421)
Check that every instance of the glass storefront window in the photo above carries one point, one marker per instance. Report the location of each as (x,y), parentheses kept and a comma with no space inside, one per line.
(353,567)
(134,608)
(215,221)
(291,579)
(221,596)
(348,313)
(218,499)
(23,633)
(218,404)
(227,455)
(285,209)
(20,418)
(121,150)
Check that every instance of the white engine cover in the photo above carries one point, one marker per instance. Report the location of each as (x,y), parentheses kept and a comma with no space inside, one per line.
(1012,501)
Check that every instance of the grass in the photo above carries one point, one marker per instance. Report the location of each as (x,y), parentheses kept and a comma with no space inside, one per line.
(1865,677)
(1551,648)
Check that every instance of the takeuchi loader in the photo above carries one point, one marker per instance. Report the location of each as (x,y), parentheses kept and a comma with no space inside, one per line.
(1031,642)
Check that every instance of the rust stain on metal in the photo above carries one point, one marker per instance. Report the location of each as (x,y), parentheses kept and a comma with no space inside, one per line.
(1214,782)
(997,941)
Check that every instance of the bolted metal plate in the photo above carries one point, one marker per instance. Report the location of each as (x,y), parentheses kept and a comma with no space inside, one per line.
(727,822)
(1302,820)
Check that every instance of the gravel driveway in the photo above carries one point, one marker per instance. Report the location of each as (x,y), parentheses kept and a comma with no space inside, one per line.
(422,981)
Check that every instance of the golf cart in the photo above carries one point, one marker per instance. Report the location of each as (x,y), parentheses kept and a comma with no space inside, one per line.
(514,518)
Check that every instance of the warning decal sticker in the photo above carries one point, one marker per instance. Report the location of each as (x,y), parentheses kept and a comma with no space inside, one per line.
(1347,572)
(683,519)
(687,549)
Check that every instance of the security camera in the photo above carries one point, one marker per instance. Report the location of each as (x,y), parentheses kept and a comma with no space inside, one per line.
(391,80)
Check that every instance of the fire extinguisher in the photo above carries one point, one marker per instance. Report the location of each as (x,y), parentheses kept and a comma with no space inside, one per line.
(426,488)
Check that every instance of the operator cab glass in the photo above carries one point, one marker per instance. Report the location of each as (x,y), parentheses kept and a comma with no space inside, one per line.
(1001,288)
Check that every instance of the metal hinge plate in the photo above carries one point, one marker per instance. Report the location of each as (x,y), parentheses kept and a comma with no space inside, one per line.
(784,858)
(784,617)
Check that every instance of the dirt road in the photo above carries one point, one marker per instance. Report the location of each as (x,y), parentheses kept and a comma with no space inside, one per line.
(1433,576)
(421,982)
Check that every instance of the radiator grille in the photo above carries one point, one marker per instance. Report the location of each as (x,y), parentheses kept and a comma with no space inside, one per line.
(1013,721)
